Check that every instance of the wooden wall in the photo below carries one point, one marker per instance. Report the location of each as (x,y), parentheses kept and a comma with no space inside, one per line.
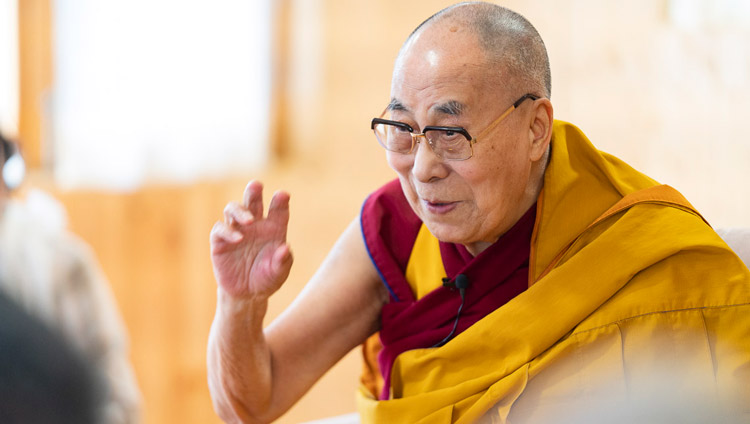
(35,63)
(153,245)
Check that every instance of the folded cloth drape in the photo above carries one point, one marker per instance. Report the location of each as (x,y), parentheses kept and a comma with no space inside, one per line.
(631,294)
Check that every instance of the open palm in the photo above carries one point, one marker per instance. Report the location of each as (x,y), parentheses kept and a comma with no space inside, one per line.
(249,251)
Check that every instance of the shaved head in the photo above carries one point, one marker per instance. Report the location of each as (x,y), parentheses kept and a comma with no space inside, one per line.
(512,45)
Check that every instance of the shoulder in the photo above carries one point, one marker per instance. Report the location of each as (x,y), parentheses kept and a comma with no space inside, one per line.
(389,228)
(669,260)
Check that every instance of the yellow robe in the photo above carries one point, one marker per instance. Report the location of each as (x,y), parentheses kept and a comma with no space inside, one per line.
(635,306)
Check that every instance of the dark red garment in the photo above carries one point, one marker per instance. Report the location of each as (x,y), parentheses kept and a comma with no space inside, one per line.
(496,275)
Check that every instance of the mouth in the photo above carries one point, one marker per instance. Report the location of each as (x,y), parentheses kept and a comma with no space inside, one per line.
(439,206)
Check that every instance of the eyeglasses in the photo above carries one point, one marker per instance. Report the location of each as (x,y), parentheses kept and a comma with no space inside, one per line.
(448,143)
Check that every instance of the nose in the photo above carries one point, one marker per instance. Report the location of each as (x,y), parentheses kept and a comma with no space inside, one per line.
(427,165)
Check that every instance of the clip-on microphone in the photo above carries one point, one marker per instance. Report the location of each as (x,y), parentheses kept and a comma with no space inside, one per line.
(461,283)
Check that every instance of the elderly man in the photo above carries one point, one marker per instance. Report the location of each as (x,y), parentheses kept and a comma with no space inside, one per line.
(513,271)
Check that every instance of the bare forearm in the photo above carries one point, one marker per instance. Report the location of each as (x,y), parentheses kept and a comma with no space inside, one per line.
(239,360)
(255,375)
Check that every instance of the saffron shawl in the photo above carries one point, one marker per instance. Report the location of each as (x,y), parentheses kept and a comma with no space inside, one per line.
(626,280)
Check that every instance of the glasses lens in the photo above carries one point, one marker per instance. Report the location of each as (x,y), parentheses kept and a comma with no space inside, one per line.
(449,145)
(393,137)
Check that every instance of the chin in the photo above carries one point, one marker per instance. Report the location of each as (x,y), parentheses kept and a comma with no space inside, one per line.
(445,233)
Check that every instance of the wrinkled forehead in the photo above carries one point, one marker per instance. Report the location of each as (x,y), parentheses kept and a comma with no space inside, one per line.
(442,46)
(442,60)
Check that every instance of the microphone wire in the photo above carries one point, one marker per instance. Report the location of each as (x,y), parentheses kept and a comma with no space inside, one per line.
(461,291)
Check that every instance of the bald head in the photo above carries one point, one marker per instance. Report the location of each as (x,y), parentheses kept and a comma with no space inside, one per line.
(511,45)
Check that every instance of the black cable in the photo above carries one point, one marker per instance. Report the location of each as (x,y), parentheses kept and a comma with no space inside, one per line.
(461,291)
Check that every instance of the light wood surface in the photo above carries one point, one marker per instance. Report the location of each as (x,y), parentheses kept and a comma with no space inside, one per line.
(153,245)
(35,75)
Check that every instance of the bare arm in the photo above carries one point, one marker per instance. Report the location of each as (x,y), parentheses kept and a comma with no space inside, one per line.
(255,375)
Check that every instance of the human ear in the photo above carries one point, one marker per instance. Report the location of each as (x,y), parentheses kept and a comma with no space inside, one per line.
(540,128)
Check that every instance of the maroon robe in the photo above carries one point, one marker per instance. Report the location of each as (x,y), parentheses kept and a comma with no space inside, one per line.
(496,275)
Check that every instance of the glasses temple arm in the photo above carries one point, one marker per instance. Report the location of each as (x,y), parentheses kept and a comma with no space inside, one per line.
(504,115)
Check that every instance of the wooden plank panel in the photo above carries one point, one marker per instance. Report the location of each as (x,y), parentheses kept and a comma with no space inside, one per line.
(35,75)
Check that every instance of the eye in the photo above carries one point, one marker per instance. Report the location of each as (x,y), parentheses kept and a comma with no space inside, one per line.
(450,136)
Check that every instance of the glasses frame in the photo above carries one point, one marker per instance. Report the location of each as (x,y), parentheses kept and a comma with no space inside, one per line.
(460,130)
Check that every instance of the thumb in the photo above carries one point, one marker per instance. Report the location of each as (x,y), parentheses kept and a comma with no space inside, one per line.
(282,260)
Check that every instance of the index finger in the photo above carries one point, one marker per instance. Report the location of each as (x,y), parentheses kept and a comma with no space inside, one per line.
(252,199)
(278,210)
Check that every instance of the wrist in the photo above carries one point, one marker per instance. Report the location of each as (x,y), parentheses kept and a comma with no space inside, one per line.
(252,308)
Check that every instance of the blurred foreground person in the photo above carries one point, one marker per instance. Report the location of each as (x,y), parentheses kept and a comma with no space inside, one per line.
(43,379)
(513,272)
(54,276)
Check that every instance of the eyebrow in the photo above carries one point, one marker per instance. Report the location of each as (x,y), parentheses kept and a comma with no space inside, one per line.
(451,107)
(396,105)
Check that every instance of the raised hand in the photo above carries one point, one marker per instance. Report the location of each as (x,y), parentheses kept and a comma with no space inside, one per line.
(249,251)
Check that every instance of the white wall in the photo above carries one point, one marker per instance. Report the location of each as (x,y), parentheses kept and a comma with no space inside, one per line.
(159,90)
